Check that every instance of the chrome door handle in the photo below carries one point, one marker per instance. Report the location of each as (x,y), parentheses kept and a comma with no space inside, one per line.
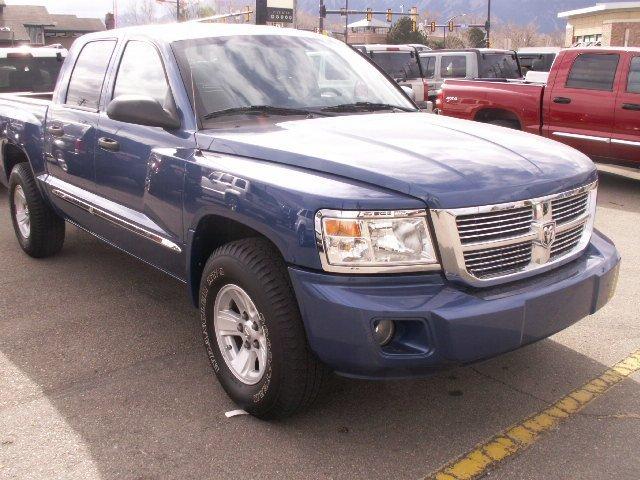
(108,144)
(631,106)
(56,131)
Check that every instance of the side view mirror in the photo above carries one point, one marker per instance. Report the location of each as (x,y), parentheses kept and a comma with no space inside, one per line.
(409,92)
(141,110)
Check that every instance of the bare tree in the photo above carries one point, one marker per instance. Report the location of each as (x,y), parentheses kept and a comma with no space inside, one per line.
(141,12)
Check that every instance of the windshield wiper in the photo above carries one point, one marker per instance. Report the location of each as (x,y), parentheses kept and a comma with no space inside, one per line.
(365,106)
(261,109)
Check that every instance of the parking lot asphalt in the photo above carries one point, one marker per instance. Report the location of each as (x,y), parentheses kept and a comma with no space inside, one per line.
(103,375)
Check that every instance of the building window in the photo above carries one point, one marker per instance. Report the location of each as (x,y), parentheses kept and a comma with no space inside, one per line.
(36,35)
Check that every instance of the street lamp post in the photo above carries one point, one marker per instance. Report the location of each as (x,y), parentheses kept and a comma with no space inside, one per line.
(460,15)
(488,25)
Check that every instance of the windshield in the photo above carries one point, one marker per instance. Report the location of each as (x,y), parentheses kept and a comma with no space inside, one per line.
(398,65)
(499,65)
(282,71)
(24,73)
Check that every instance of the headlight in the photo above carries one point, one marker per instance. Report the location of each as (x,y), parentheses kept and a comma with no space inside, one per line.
(375,242)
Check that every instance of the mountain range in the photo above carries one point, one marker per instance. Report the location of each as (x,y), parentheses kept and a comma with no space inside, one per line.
(543,13)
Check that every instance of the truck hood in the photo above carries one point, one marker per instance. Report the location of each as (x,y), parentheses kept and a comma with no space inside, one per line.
(446,162)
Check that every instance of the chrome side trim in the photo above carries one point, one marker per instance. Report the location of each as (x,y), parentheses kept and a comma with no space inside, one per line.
(582,137)
(625,142)
(100,213)
(371,269)
(452,250)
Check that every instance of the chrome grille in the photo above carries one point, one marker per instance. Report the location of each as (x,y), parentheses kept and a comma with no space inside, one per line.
(566,241)
(494,225)
(564,210)
(494,244)
(498,261)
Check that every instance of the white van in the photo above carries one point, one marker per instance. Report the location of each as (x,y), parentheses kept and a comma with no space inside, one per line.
(438,65)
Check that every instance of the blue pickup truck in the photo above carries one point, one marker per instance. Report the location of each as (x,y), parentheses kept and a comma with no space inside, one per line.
(318,219)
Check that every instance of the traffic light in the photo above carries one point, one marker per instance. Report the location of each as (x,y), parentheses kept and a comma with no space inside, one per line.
(433,27)
(451,26)
(389,15)
(343,12)
(414,19)
(323,11)
(247,14)
(369,15)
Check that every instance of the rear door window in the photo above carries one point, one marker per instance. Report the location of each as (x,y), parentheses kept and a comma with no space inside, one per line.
(592,71)
(633,83)
(397,64)
(499,65)
(453,66)
(428,66)
(88,73)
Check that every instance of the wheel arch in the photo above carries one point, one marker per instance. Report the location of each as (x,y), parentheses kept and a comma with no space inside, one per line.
(213,231)
(12,155)
(487,115)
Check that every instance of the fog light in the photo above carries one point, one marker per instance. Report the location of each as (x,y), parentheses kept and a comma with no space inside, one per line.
(383,331)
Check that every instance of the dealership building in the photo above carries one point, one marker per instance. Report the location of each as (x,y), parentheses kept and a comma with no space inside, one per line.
(615,24)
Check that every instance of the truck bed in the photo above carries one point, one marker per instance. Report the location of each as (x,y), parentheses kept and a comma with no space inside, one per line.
(479,99)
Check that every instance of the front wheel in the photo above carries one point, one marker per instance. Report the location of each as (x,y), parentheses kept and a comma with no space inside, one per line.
(253,332)
(39,230)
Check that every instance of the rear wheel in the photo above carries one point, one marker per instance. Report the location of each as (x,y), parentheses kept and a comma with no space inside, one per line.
(39,230)
(505,123)
(253,332)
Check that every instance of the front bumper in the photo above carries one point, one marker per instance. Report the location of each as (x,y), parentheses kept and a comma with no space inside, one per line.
(440,323)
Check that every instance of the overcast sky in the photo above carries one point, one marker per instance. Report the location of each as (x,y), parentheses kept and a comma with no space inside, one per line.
(82,8)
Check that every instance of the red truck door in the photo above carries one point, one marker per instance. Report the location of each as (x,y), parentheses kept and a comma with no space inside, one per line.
(581,103)
(625,141)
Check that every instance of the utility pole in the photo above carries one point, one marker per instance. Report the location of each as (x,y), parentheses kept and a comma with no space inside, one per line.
(346,23)
(321,17)
(488,25)
(177,10)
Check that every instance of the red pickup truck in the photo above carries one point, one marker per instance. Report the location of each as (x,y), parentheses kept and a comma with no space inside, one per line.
(591,101)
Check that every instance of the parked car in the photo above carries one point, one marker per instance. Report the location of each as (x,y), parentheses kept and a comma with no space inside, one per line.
(25,69)
(401,63)
(432,243)
(439,65)
(591,102)
(537,59)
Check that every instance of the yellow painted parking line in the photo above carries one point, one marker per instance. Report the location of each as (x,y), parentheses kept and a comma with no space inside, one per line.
(519,437)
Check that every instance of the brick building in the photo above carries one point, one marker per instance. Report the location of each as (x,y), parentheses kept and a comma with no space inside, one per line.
(34,25)
(615,24)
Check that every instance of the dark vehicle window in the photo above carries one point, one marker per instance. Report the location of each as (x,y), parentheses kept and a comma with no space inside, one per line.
(499,65)
(428,65)
(593,71)
(226,178)
(88,74)
(633,84)
(241,183)
(453,66)
(141,72)
(530,62)
(398,65)
(25,73)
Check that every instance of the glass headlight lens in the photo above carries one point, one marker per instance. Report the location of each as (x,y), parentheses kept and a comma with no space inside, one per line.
(375,241)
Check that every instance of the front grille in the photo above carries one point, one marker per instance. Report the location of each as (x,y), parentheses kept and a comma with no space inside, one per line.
(566,241)
(494,225)
(493,244)
(564,210)
(498,261)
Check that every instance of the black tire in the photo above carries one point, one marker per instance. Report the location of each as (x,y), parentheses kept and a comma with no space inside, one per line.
(512,124)
(47,229)
(293,375)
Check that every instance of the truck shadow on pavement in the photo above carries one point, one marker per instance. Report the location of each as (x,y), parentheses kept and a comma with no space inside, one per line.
(104,376)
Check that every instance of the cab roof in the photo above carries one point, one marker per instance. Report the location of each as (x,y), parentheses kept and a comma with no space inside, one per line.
(172,32)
